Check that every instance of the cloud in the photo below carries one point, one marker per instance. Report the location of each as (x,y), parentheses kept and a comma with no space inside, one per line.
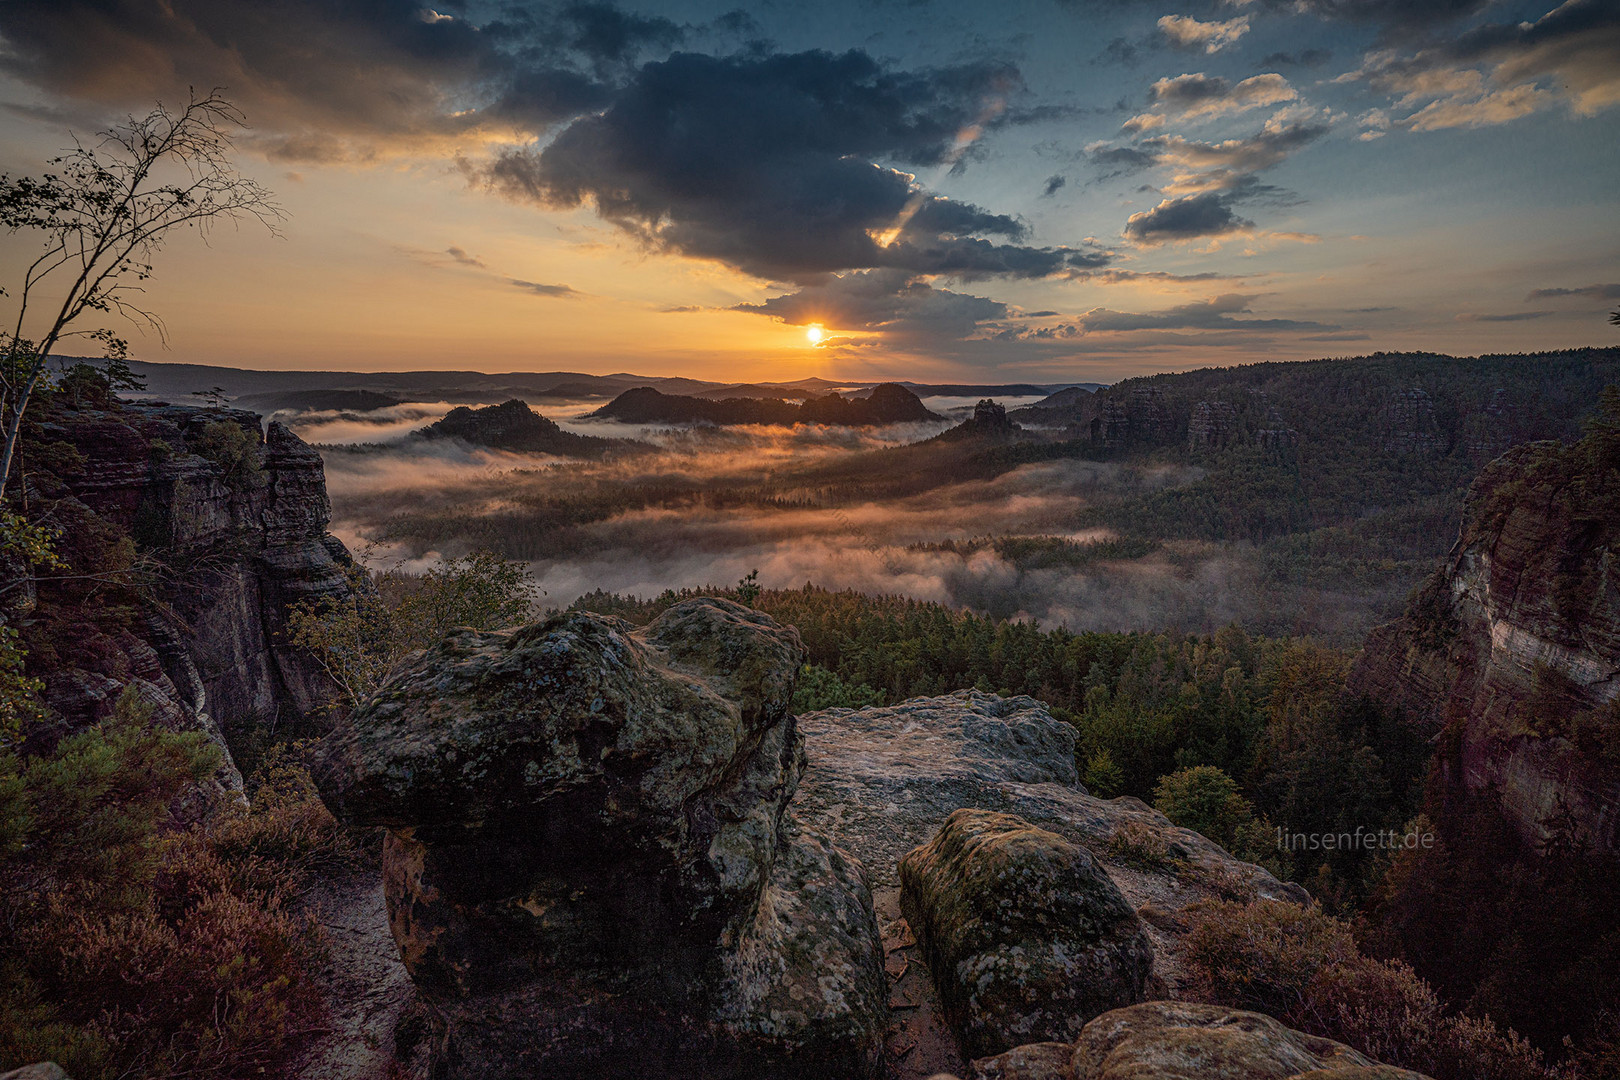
(1196,96)
(465,259)
(1305,58)
(888,301)
(1187,218)
(1393,13)
(326,81)
(1509,316)
(1215,313)
(771,164)
(1229,165)
(1054,184)
(1610,291)
(562,292)
(1185,32)
(1499,72)
(1119,160)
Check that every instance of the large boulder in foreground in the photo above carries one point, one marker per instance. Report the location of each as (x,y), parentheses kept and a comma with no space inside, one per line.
(587,868)
(1168,1040)
(1026,935)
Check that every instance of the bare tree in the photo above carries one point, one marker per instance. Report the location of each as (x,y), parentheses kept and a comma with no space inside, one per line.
(104,214)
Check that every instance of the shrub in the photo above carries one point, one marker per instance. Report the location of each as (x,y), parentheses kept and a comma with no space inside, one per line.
(1205,800)
(1302,966)
(1102,777)
(1140,847)
(140,950)
(231,447)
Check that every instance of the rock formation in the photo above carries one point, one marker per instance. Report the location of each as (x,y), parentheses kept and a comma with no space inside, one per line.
(234,525)
(1409,424)
(881,781)
(591,867)
(1213,426)
(1167,1040)
(988,423)
(1027,937)
(1514,646)
(512,425)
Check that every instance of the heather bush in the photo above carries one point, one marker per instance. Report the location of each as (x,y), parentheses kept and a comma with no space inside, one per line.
(1304,967)
(138,949)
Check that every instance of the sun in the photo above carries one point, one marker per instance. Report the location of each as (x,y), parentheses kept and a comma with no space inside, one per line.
(815,333)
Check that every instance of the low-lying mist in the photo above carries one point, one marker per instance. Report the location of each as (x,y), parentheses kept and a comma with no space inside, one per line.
(842,508)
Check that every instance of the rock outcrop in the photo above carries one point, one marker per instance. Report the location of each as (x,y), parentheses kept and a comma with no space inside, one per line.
(1165,1040)
(231,526)
(591,867)
(512,425)
(881,781)
(1213,426)
(989,423)
(1513,647)
(1027,937)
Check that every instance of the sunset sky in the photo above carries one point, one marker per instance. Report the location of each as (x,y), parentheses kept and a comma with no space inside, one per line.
(1031,189)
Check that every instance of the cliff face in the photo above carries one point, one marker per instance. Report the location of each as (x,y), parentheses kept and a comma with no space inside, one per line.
(1513,648)
(228,529)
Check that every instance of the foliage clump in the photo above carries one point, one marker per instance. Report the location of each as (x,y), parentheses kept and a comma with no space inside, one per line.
(140,948)
(1304,967)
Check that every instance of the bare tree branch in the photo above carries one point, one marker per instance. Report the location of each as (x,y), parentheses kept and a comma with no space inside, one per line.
(104,214)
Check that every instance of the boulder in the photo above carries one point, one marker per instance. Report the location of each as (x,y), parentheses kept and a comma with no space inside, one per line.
(881,781)
(1165,1040)
(587,868)
(1026,936)
(44,1070)
(1169,1040)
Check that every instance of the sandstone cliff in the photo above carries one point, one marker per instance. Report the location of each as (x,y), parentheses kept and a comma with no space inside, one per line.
(225,528)
(1512,649)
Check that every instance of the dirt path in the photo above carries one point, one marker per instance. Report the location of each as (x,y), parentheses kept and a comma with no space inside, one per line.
(366,985)
(918,1043)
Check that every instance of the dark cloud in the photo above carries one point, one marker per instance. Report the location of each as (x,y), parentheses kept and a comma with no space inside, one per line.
(1186,218)
(605,33)
(883,300)
(1118,51)
(463,258)
(1508,316)
(1115,161)
(787,166)
(377,66)
(1305,58)
(1394,13)
(1215,313)
(1610,291)
(1498,72)
(1054,184)
(1197,95)
(560,292)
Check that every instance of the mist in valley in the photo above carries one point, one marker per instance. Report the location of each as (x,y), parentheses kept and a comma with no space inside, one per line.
(823,505)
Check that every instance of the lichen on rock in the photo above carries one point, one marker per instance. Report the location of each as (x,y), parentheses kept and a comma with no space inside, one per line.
(588,870)
(1026,936)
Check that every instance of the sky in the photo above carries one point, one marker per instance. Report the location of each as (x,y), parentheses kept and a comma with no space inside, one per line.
(1043,190)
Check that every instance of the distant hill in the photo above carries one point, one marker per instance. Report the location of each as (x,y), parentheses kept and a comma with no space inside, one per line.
(512,425)
(357,401)
(888,403)
(1071,405)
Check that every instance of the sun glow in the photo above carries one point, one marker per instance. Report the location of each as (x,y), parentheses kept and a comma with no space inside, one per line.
(815,333)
